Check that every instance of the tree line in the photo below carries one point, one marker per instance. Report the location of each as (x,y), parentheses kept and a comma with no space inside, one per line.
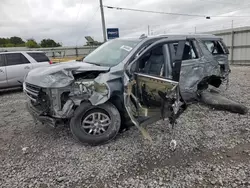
(30,43)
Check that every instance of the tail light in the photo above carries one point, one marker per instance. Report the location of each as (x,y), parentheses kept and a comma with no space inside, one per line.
(50,62)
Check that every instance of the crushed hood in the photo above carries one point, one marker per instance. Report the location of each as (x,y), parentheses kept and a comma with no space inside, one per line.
(61,74)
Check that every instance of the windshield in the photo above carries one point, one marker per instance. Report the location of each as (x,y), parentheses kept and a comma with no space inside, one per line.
(111,53)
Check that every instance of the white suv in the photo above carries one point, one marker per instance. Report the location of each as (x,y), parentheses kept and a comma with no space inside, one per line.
(15,65)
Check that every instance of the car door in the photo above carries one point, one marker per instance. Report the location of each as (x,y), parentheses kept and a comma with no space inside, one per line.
(3,77)
(192,70)
(147,96)
(17,66)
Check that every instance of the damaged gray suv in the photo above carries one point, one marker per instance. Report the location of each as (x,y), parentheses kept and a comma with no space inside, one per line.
(127,80)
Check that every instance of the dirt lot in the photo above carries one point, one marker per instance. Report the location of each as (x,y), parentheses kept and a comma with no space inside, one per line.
(213,149)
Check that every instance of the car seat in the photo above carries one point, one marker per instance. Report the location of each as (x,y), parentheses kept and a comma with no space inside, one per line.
(155,62)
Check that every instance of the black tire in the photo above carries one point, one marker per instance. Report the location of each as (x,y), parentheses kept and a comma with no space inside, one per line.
(215,100)
(86,109)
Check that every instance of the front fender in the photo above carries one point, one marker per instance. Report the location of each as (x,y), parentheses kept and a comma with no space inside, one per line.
(114,86)
(97,99)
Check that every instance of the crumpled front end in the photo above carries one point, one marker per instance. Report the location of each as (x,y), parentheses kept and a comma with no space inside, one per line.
(48,105)
(55,95)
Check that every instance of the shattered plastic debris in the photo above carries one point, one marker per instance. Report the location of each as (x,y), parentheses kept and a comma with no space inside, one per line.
(173,145)
(25,150)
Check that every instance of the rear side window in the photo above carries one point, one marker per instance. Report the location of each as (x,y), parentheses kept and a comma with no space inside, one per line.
(39,57)
(214,47)
(2,60)
(16,59)
(189,50)
(223,45)
(173,49)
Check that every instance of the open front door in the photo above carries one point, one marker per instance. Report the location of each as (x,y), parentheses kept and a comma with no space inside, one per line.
(151,82)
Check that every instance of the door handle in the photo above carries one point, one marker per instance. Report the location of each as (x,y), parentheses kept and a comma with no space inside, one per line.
(1,70)
(27,67)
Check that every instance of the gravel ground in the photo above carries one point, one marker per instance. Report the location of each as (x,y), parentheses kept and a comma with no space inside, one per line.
(213,149)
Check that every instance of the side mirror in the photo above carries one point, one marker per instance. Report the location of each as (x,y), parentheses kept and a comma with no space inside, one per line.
(131,68)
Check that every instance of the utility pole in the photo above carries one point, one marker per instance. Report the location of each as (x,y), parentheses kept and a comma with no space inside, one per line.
(103,22)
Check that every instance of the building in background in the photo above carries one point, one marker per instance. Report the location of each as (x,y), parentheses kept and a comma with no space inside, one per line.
(238,42)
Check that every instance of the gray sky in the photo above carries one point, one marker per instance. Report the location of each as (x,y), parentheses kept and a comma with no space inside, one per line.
(68,21)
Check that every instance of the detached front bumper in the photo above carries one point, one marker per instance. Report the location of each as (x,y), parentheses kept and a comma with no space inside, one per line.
(37,116)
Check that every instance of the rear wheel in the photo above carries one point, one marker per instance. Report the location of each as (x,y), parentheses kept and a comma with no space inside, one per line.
(94,125)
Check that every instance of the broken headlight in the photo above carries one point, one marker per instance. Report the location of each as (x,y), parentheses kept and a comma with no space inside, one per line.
(101,88)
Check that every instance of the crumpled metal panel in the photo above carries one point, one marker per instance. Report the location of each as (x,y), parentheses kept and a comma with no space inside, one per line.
(114,83)
(59,75)
(193,71)
(97,98)
(188,87)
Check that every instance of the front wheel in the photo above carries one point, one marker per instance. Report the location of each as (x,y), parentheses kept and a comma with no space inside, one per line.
(94,125)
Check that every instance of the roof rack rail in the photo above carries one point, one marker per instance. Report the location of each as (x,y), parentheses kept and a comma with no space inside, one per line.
(143,36)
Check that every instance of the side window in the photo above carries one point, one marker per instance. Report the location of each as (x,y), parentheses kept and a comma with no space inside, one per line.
(39,57)
(2,60)
(223,45)
(189,51)
(24,59)
(16,59)
(152,63)
(214,47)
(173,49)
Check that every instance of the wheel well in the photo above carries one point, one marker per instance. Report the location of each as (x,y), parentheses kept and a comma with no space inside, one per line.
(211,80)
(215,81)
(117,101)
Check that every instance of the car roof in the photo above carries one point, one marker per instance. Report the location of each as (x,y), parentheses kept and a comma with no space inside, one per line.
(192,36)
(173,36)
(21,52)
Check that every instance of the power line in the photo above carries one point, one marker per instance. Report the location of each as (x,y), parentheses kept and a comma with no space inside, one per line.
(86,25)
(79,10)
(76,17)
(218,2)
(169,13)
(245,7)
(156,12)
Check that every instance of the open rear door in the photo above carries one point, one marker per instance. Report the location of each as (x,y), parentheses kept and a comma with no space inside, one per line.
(151,82)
